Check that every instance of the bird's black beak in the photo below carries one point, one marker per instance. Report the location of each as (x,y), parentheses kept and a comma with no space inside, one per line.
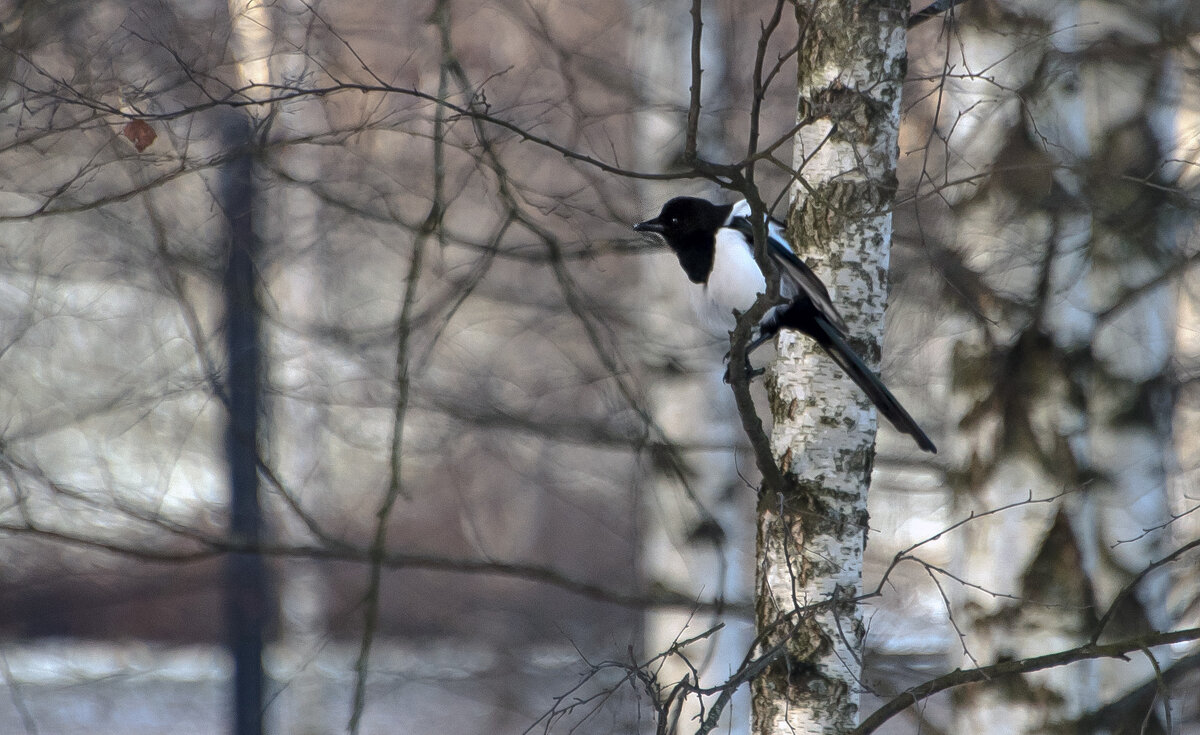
(650,225)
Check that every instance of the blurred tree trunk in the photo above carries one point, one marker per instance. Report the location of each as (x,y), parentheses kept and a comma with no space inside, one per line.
(694,539)
(246,593)
(1063,385)
(248,602)
(303,290)
(811,536)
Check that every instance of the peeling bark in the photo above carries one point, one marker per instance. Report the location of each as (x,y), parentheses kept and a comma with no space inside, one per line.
(811,536)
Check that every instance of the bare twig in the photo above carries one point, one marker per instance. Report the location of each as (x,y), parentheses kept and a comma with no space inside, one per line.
(1003,669)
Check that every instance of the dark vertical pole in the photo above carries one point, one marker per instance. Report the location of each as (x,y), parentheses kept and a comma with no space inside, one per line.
(246,578)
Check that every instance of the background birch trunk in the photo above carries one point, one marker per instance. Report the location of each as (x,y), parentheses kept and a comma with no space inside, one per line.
(301,283)
(694,540)
(811,536)
(1067,391)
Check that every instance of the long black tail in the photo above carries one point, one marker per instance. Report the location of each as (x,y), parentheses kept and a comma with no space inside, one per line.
(802,316)
(832,341)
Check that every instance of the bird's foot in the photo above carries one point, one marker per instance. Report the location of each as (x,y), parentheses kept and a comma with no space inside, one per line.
(751,372)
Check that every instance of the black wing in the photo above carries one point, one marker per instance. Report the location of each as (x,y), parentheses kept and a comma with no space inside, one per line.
(796,278)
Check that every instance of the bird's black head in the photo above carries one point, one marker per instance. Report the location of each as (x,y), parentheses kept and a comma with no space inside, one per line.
(682,218)
(689,225)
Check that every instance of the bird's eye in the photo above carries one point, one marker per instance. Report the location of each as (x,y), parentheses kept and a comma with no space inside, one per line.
(673,221)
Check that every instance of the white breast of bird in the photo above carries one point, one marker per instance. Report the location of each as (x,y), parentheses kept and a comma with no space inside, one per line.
(734,282)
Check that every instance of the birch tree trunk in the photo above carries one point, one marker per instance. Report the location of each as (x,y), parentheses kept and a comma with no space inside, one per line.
(811,535)
(302,290)
(1063,386)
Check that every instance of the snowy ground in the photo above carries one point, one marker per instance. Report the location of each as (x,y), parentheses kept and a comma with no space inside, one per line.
(69,688)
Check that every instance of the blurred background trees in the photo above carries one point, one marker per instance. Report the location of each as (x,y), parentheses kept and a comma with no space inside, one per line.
(499,480)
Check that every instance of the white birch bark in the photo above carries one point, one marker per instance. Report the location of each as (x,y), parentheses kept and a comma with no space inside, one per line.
(811,535)
(1086,407)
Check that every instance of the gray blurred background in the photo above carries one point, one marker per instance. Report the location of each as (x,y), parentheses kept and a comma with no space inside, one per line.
(496,467)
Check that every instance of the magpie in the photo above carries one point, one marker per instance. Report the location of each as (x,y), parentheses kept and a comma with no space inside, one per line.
(715,246)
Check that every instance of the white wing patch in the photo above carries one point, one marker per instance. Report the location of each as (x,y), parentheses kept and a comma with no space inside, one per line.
(774,229)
